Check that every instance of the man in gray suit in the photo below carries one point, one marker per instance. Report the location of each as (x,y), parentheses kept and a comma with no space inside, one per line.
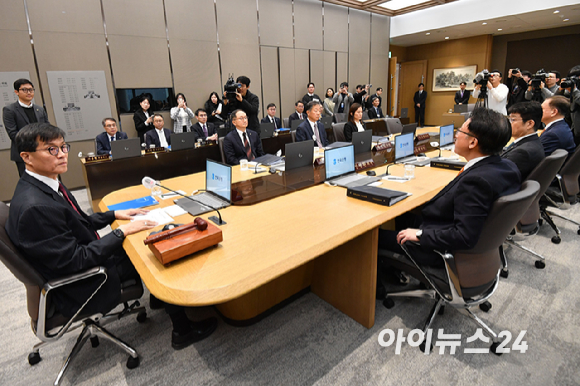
(19,114)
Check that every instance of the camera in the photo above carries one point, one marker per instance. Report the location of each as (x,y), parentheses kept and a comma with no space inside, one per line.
(231,88)
(537,79)
(369,85)
(570,82)
(482,78)
(515,71)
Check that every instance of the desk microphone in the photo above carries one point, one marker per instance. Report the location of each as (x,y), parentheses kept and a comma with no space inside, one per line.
(149,183)
(256,168)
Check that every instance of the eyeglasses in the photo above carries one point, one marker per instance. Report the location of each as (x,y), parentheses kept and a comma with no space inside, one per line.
(466,133)
(512,120)
(26,90)
(53,150)
(242,118)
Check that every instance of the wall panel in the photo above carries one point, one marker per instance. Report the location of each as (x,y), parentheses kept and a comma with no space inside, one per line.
(239,60)
(13,16)
(329,70)
(237,21)
(308,24)
(275,23)
(301,70)
(287,82)
(142,18)
(359,47)
(341,69)
(335,28)
(380,51)
(191,19)
(270,79)
(66,16)
(317,70)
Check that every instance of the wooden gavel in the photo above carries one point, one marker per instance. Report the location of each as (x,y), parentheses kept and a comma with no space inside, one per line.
(199,224)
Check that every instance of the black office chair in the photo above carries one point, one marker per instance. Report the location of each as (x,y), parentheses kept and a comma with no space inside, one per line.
(221,145)
(530,223)
(470,277)
(285,122)
(338,129)
(47,323)
(339,117)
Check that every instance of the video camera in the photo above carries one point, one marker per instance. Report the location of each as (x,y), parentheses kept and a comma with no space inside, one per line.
(482,78)
(231,88)
(570,82)
(515,71)
(537,79)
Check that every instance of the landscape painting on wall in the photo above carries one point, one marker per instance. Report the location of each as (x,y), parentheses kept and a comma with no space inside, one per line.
(448,79)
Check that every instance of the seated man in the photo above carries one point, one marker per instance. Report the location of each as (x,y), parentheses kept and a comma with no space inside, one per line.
(271,117)
(110,134)
(526,150)
(204,129)
(47,225)
(241,143)
(159,136)
(312,128)
(453,219)
(375,111)
(557,134)
(298,114)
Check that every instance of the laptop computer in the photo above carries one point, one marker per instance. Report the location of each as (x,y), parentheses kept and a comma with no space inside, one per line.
(394,125)
(405,151)
(126,148)
(410,128)
(295,123)
(446,135)
(218,190)
(362,141)
(339,165)
(298,154)
(326,121)
(182,141)
(267,130)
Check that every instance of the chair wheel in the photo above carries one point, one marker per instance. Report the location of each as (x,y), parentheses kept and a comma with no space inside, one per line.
(133,362)
(485,306)
(142,317)
(556,239)
(95,341)
(388,303)
(441,310)
(540,221)
(494,347)
(504,273)
(34,358)
(423,347)
(540,264)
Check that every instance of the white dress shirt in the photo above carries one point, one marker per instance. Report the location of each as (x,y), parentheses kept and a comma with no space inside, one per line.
(162,139)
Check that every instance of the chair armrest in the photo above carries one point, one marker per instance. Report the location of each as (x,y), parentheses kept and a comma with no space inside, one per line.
(66,280)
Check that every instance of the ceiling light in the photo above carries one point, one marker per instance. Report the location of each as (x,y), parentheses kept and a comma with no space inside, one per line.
(565,19)
(428,33)
(556,11)
(395,5)
(499,29)
(483,23)
(446,37)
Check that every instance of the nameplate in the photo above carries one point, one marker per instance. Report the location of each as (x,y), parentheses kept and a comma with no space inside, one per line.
(422,137)
(319,161)
(383,146)
(97,158)
(420,149)
(359,166)
(155,150)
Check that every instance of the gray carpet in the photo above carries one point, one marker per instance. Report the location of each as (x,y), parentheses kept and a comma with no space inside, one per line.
(309,342)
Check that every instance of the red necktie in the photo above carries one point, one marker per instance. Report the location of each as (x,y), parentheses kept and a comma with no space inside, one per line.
(247,148)
(67,198)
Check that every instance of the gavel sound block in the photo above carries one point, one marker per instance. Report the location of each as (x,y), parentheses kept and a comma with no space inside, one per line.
(184,240)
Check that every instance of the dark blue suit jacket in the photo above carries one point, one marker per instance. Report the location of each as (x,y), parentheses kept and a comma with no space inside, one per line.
(526,154)
(103,143)
(304,133)
(234,148)
(198,130)
(266,119)
(558,136)
(151,137)
(15,119)
(453,219)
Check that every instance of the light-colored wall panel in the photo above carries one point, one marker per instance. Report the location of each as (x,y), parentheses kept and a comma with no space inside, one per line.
(65,16)
(17,43)
(359,37)
(341,70)
(335,28)
(301,71)
(275,23)
(240,60)
(191,19)
(140,61)
(13,16)
(128,125)
(329,70)
(308,24)
(287,82)
(317,71)
(380,50)
(135,18)
(237,22)
(270,78)
(73,178)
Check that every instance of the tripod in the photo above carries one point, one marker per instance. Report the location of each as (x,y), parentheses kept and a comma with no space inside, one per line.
(482,98)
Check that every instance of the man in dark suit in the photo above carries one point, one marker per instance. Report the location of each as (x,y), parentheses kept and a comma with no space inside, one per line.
(419,100)
(298,114)
(377,94)
(557,134)
(312,128)
(310,95)
(204,129)
(526,150)
(159,136)
(271,117)
(246,101)
(241,143)
(111,134)
(462,96)
(375,111)
(19,114)
(517,84)
(454,218)
(47,225)
(361,95)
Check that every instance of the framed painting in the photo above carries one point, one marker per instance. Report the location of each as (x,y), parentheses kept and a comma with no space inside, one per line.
(448,79)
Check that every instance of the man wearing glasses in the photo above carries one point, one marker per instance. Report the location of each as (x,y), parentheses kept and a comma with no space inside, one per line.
(497,93)
(19,114)
(241,143)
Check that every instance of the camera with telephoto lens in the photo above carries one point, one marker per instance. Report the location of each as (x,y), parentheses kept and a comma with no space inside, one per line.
(570,82)
(515,71)
(231,88)
(537,79)
(482,78)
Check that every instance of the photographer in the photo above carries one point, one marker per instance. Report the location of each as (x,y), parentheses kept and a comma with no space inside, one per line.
(497,93)
(361,94)
(548,88)
(569,88)
(245,101)
(517,83)
(342,99)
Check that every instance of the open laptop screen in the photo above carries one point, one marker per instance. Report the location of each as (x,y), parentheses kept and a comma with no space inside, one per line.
(218,179)
(404,145)
(339,161)
(445,135)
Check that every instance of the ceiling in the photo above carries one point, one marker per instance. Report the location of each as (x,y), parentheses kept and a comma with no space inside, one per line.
(379,6)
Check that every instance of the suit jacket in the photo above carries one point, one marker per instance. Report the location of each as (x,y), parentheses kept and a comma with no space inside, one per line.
(349,128)
(234,148)
(251,105)
(373,114)
(294,117)
(139,118)
(304,133)
(459,99)
(516,94)
(103,143)
(198,130)
(307,98)
(370,101)
(527,153)
(558,136)
(420,99)
(151,137)
(453,219)
(15,119)
(266,119)
(58,241)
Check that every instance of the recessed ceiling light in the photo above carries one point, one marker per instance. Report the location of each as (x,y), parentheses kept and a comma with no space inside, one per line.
(395,5)
(565,19)
(428,33)
(499,29)
(446,37)
(556,11)
(483,23)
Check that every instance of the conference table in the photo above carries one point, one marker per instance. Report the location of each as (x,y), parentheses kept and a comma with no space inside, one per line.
(315,238)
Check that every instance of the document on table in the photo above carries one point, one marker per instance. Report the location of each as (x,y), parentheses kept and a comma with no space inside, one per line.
(157,215)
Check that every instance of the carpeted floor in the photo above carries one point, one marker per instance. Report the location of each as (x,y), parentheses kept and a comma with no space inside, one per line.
(309,342)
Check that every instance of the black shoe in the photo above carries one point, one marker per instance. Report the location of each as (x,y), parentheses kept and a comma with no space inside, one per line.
(199,331)
(154,303)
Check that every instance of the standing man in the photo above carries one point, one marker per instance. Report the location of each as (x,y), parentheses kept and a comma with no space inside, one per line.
(419,100)
(298,114)
(547,89)
(245,101)
(377,94)
(517,84)
(361,96)
(573,93)
(111,134)
(241,143)
(462,96)
(312,128)
(204,129)
(557,134)
(342,99)
(497,93)
(159,136)
(19,114)
(310,96)
(271,117)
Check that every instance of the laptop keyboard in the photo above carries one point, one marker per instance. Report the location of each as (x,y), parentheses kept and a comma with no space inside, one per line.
(208,200)
(348,179)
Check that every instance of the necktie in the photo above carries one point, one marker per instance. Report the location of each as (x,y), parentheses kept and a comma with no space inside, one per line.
(62,190)
(274,122)
(377,111)
(247,148)
(316,134)
(204,130)
(461,171)
(112,138)
(462,94)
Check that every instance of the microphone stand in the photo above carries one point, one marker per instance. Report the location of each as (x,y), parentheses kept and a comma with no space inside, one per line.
(256,168)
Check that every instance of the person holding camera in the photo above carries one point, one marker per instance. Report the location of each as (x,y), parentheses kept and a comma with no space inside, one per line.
(548,88)
(361,95)
(517,83)
(569,88)
(246,101)
(342,99)
(497,93)
(181,115)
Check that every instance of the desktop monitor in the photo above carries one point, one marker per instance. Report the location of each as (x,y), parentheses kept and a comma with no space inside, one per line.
(218,179)
(339,161)
(404,145)
(445,135)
